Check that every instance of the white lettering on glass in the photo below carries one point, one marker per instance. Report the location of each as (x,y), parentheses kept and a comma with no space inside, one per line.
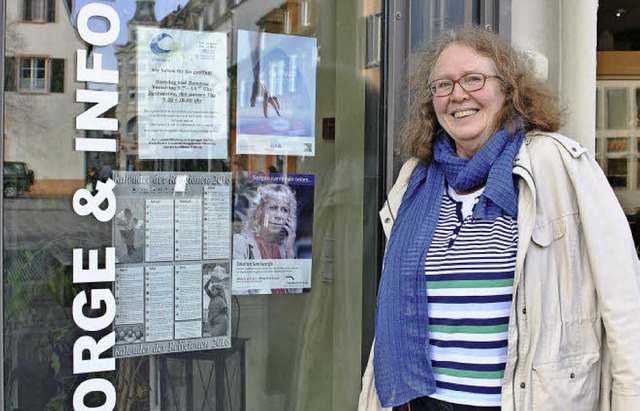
(98,314)
(94,363)
(93,273)
(98,296)
(98,10)
(95,385)
(95,74)
(88,120)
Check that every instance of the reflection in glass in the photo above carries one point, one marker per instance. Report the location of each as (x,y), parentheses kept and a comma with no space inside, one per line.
(617,108)
(430,18)
(41,229)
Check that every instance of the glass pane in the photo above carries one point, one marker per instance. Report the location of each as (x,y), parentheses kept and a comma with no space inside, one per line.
(617,145)
(431,17)
(617,172)
(180,339)
(617,109)
(38,10)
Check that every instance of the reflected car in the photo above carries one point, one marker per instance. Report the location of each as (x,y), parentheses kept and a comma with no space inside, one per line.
(17,178)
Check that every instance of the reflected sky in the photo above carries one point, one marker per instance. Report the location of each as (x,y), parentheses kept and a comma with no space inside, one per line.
(126,10)
(165,7)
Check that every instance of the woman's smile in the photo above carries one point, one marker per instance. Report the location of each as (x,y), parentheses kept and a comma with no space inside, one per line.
(464,113)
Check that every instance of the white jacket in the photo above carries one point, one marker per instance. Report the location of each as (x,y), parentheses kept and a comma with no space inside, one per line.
(574,328)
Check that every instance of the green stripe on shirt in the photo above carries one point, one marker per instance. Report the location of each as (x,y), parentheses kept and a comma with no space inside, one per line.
(470,283)
(487,375)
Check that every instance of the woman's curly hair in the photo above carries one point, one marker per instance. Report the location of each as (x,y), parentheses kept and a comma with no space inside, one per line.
(281,194)
(528,101)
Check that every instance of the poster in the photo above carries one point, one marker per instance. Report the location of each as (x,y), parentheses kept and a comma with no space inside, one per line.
(276,94)
(172,235)
(181,94)
(273,231)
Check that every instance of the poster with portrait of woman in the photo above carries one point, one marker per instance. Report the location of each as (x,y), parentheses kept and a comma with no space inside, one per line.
(272,233)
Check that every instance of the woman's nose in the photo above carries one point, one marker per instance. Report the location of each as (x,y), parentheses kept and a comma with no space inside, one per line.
(458,92)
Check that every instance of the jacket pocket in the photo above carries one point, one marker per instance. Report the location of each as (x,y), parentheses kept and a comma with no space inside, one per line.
(551,231)
(573,384)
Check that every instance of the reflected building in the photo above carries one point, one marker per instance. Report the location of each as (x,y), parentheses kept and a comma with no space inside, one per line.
(126,110)
(40,72)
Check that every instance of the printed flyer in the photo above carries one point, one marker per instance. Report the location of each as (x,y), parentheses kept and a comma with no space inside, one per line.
(273,232)
(276,94)
(172,235)
(182,94)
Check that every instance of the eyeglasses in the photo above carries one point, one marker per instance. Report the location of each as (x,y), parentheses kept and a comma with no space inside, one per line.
(468,82)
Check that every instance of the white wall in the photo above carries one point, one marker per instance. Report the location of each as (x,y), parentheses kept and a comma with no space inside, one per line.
(40,127)
(564,31)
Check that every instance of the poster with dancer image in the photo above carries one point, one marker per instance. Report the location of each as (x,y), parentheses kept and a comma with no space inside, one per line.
(273,232)
(172,235)
(276,94)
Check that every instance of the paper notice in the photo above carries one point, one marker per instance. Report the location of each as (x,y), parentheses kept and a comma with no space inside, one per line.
(159,223)
(158,295)
(217,224)
(129,295)
(188,229)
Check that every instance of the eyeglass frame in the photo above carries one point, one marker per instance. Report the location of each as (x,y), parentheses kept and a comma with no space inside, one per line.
(484,81)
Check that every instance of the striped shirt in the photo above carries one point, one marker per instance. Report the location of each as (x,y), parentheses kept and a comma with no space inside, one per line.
(469,268)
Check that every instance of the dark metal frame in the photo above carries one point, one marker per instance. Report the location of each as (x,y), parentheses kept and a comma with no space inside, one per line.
(384,111)
(3,26)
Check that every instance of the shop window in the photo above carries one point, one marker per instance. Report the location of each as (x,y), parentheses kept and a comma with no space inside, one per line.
(617,108)
(39,11)
(38,74)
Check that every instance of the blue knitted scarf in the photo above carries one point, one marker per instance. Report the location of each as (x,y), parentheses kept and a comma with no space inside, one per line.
(401,362)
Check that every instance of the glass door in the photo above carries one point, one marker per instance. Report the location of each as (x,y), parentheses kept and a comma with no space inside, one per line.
(412,26)
(186,213)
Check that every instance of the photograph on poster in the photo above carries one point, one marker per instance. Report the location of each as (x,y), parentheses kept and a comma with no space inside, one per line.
(182,96)
(172,286)
(273,232)
(129,231)
(276,94)
(216,299)
(129,334)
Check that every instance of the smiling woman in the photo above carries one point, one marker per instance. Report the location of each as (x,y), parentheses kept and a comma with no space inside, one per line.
(477,214)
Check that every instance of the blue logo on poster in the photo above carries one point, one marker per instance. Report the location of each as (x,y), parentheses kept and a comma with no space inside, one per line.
(166,47)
